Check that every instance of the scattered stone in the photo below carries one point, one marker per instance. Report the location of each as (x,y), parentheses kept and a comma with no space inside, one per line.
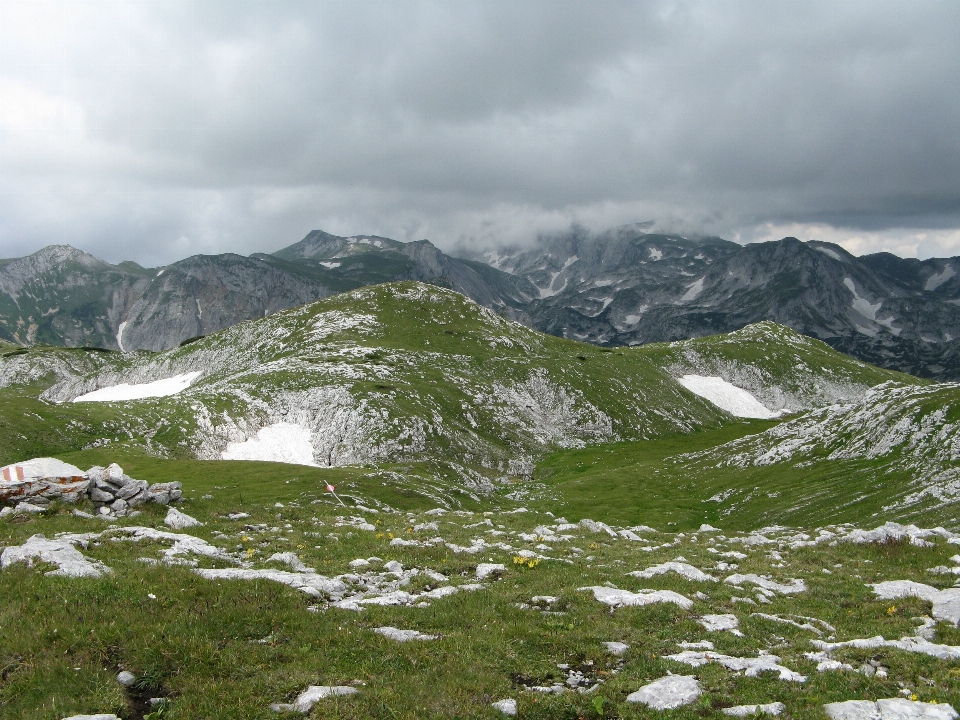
(910,644)
(126,678)
(102,716)
(718,623)
(615,597)
(291,559)
(774,708)
(306,582)
(178,520)
(29,508)
(311,696)
(394,567)
(616,648)
(681,568)
(594,526)
(946,603)
(668,692)
(507,707)
(891,709)
(795,586)
(359,563)
(751,667)
(60,552)
(403,635)
(485,570)
(238,516)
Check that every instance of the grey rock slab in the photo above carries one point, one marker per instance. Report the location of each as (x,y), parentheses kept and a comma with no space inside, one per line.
(178,520)
(126,678)
(889,709)
(774,708)
(616,648)
(751,667)
(680,568)
(403,635)
(946,603)
(507,706)
(101,716)
(311,696)
(668,692)
(309,583)
(61,552)
(620,598)
(485,570)
(794,586)
(717,623)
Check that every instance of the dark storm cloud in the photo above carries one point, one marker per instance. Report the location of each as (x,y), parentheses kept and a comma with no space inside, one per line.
(153,130)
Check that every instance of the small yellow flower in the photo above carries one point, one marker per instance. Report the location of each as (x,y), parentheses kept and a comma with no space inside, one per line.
(250,552)
(892,610)
(379,536)
(390,535)
(913,697)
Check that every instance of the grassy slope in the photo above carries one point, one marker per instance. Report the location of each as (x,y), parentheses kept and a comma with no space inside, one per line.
(198,642)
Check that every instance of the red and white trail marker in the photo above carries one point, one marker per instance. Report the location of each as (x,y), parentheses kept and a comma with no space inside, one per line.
(330,489)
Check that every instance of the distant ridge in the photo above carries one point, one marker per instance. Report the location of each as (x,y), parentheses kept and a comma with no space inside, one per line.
(626,286)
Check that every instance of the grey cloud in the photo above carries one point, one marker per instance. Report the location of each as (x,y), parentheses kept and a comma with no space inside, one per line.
(155,129)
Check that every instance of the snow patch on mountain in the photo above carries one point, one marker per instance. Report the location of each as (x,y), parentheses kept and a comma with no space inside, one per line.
(281,442)
(157,388)
(726,396)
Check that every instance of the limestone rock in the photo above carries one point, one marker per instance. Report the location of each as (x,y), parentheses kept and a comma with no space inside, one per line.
(178,520)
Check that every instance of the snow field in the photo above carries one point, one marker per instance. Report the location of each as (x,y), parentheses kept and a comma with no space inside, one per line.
(726,396)
(157,388)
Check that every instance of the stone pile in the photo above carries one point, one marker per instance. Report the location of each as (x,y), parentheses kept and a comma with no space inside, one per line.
(33,484)
(113,491)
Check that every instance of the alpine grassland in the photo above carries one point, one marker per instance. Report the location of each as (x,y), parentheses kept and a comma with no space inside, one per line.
(562,524)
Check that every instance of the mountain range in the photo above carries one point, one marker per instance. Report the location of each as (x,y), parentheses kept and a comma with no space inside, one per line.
(625,286)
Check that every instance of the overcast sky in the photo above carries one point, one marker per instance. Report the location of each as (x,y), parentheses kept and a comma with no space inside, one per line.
(156,130)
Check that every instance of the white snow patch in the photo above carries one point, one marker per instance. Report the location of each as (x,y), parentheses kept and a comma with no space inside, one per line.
(157,388)
(693,290)
(281,442)
(935,281)
(655,254)
(727,396)
(668,692)
(633,319)
(549,291)
(330,265)
(827,251)
(120,334)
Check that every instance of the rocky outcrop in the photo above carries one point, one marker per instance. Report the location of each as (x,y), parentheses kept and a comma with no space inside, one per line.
(629,287)
(36,483)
